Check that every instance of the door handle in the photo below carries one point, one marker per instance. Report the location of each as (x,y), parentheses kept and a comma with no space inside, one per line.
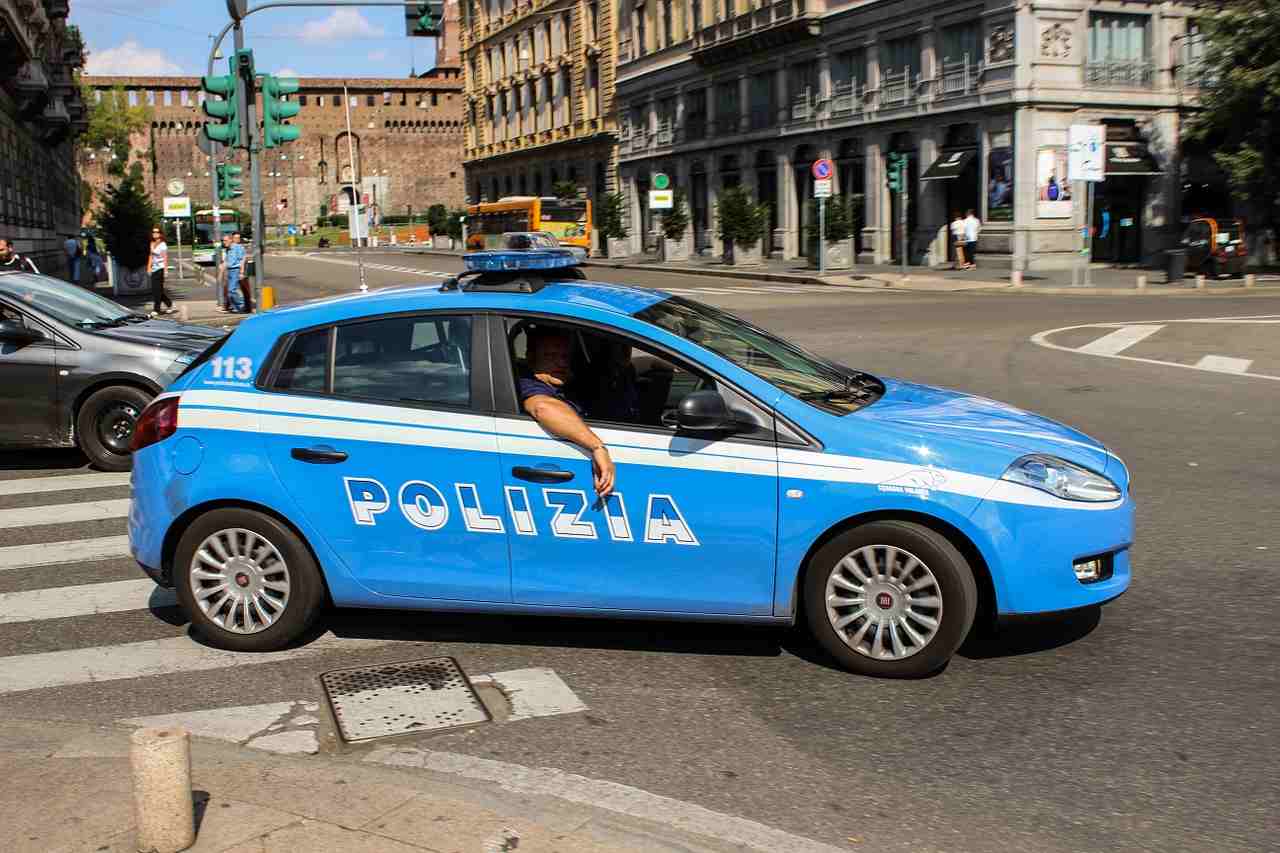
(542,475)
(322,455)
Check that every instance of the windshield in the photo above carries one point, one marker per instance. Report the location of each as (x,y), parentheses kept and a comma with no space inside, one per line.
(774,360)
(564,221)
(62,301)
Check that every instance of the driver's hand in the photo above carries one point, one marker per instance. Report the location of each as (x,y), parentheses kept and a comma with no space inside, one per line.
(602,468)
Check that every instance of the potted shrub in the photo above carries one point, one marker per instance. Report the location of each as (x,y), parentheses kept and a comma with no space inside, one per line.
(839,228)
(740,223)
(674,245)
(124,221)
(613,232)
(564,189)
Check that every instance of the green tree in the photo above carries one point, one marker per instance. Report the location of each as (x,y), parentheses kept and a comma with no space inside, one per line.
(1240,76)
(111,122)
(125,219)
(838,216)
(438,219)
(453,224)
(676,220)
(609,218)
(739,219)
(564,189)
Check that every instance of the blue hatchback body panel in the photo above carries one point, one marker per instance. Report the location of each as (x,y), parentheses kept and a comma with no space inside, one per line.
(424,511)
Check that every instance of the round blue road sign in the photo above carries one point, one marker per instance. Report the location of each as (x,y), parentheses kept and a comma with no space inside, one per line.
(822,169)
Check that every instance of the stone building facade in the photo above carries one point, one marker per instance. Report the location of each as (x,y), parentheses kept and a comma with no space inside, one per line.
(978,94)
(40,114)
(406,138)
(539,88)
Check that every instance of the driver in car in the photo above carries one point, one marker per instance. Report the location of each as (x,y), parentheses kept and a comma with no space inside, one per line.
(543,395)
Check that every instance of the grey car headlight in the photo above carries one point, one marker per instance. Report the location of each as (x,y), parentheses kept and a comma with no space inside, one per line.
(1061,479)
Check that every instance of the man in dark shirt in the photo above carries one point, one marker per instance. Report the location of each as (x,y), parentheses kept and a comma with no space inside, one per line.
(542,395)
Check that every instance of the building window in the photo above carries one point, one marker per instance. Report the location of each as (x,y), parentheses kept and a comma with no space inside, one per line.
(566,86)
(568,31)
(1120,51)
(962,43)
(899,67)
(728,108)
(593,20)
(695,16)
(641,34)
(386,99)
(764,109)
(668,24)
(302,100)
(355,100)
(168,99)
(337,100)
(593,88)
(434,96)
(369,101)
(184,97)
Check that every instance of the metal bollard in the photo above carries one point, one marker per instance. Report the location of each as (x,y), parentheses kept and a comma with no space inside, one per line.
(1142,282)
(162,807)
(1015,278)
(268,298)
(1250,280)
(1201,282)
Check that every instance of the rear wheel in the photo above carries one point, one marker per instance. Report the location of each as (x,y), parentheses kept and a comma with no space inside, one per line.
(247,582)
(891,599)
(105,422)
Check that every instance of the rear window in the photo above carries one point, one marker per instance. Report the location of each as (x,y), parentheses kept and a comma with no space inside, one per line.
(423,360)
(306,363)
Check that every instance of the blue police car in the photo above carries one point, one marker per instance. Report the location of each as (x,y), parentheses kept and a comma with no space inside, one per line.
(370,451)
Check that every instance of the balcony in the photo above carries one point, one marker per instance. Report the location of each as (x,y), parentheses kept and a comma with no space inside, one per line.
(804,107)
(897,89)
(774,23)
(1122,74)
(666,133)
(848,99)
(959,78)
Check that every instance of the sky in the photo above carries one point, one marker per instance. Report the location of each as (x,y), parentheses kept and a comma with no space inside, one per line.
(173,37)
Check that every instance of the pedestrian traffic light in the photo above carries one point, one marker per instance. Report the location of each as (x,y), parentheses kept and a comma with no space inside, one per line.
(227,110)
(424,19)
(229,183)
(897,171)
(275,109)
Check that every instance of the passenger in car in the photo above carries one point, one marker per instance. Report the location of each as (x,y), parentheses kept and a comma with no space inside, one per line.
(543,395)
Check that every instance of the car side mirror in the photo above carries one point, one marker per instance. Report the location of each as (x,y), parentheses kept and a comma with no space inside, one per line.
(704,411)
(15,332)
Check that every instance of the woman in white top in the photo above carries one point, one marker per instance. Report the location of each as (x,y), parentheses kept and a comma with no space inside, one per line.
(159,261)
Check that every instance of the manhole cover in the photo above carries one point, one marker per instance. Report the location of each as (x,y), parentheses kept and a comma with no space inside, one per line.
(401,698)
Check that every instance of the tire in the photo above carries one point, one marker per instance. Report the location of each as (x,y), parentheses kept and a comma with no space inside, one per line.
(259,550)
(105,422)
(926,568)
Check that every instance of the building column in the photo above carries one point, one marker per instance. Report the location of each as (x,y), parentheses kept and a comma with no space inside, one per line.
(824,75)
(677,129)
(787,209)
(1024,186)
(780,93)
(711,110)
(875,231)
(684,184)
(713,198)
(932,225)
(744,103)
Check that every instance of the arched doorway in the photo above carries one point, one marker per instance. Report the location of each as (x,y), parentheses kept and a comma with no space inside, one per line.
(851,172)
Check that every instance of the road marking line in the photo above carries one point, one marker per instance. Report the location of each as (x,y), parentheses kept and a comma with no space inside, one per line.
(611,796)
(236,723)
(534,693)
(1119,340)
(53,553)
(91,599)
(1224,364)
(145,659)
(32,485)
(30,516)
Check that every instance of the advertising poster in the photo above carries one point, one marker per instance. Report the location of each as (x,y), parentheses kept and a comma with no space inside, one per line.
(1053,189)
(1000,184)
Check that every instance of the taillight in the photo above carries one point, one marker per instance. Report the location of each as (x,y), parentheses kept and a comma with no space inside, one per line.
(158,421)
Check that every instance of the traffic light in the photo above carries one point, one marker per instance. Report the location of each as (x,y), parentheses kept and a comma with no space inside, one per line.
(275,109)
(227,110)
(897,171)
(229,183)
(424,19)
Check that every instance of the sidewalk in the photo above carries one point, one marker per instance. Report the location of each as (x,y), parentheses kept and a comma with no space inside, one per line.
(68,790)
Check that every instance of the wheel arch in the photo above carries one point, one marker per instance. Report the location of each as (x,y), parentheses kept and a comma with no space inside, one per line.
(130,380)
(987,600)
(180,524)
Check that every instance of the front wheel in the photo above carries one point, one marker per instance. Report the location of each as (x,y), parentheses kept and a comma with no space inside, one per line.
(891,599)
(105,422)
(247,581)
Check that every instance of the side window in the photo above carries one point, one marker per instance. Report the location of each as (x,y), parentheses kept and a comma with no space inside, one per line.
(610,379)
(405,360)
(305,364)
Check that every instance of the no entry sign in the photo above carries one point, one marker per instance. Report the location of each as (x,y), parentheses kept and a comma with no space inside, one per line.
(822,169)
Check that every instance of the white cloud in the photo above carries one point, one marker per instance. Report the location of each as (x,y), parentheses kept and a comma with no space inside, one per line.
(131,60)
(341,24)
(286,72)
(378,56)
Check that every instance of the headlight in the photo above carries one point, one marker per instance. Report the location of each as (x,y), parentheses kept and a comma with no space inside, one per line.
(1061,479)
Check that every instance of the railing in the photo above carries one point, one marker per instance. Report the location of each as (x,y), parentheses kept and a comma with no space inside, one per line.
(896,89)
(1128,74)
(959,77)
(804,107)
(666,133)
(847,98)
(768,15)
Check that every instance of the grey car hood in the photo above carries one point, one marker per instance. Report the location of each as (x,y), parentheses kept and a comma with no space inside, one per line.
(181,337)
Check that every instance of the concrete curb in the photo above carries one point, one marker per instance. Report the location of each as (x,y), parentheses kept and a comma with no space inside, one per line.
(1161,291)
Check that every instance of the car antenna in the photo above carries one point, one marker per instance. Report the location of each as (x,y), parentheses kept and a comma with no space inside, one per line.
(355,193)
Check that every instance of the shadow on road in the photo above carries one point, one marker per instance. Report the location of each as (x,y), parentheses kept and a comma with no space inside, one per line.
(31,460)
(1031,634)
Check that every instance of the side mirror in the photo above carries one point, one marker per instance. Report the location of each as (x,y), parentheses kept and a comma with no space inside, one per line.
(15,332)
(704,411)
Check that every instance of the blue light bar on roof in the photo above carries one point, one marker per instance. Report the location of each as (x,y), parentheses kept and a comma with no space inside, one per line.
(536,259)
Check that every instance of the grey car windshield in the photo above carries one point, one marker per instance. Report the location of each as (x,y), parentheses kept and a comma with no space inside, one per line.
(62,301)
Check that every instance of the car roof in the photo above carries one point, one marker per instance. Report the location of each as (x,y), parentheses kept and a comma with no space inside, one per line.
(554,297)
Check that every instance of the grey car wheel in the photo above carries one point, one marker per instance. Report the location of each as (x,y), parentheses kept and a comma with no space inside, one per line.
(105,422)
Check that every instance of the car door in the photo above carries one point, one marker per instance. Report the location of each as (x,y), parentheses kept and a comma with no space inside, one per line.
(28,381)
(692,524)
(388,448)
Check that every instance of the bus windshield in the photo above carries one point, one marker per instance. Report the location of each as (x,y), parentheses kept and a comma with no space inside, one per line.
(204,225)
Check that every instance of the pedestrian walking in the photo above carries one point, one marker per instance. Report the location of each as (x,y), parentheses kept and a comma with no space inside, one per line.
(71,246)
(11,261)
(972,228)
(957,239)
(95,261)
(223,306)
(235,271)
(159,262)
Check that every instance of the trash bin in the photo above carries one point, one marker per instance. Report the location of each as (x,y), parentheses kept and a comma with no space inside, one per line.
(1177,265)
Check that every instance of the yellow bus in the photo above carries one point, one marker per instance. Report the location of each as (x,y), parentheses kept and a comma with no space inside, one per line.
(567,219)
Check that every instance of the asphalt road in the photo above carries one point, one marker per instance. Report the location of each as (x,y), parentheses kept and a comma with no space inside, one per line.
(1150,725)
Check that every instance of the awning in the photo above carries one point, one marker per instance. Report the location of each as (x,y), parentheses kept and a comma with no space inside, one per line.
(1127,159)
(948,165)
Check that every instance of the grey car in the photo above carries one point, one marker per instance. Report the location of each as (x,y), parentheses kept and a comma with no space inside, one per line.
(77,369)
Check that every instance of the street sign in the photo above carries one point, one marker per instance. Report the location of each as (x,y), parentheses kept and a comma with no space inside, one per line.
(662,199)
(661,181)
(293,230)
(177,206)
(822,188)
(176,187)
(1086,152)
(822,169)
